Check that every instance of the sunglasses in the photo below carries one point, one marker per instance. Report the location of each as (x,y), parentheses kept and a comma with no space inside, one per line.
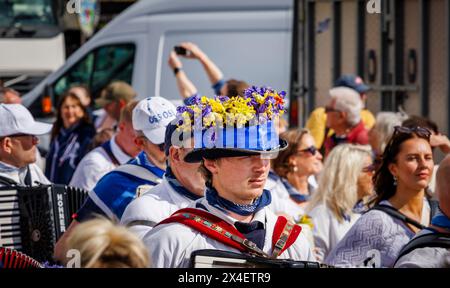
(162,147)
(311,150)
(369,168)
(419,131)
(330,109)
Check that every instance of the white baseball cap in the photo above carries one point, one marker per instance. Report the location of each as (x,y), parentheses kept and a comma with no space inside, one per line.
(16,119)
(151,116)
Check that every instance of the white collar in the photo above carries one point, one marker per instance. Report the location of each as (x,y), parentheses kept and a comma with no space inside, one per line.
(121,156)
(5,167)
(176,198)
(15,173)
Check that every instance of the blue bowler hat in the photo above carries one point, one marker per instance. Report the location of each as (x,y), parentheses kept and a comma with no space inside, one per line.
(353,82)
(237,126)
(260,139)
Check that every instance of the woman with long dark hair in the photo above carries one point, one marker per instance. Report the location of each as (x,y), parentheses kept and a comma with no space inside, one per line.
(70,138)
(400,208)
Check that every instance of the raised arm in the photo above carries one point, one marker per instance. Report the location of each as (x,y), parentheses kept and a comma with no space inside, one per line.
(185,86)
(214,73)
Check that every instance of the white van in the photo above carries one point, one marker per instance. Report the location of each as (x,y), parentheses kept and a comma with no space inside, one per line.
(247,39)
(31,43)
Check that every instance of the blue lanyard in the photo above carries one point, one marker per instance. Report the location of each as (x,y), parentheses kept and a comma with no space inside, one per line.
(441,220)
(143,161)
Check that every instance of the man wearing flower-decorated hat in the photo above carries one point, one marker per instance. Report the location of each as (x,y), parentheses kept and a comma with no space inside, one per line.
(234,139)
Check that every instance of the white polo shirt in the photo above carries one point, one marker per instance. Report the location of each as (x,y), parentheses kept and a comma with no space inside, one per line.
(282,202)
(155,205)
(95,165)
(328,231)
(18,174)
(171,245)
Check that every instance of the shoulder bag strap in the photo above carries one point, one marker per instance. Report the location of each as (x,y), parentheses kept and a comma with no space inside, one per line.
(391,211)
(435,239)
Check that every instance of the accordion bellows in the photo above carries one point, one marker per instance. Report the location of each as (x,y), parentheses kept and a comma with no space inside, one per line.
(10,258)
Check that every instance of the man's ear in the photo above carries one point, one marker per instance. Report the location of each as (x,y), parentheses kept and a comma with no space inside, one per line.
(121,126)
(6,145)
(174,154)
(211,165)
(139,142)
(122,103)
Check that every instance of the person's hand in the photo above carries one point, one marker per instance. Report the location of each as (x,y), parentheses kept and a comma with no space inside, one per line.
(441,141)
(174,61)
(193,51)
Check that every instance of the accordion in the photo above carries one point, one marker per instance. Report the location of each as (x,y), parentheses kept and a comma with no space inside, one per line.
(209,258)
(33,218)
(10,258)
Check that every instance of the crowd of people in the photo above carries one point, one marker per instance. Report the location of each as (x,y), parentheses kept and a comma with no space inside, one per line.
(347,190)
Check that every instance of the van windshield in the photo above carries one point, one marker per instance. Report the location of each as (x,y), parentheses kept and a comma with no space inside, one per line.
(22,18)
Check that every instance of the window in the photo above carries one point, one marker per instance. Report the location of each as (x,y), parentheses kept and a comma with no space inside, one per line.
(37,12)
(98,68)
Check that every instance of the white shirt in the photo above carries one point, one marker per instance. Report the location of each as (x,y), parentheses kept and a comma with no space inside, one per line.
(95,165)
(155,205)
(328,231)
(282,202)
(171,245)
(427,257)
(18,174)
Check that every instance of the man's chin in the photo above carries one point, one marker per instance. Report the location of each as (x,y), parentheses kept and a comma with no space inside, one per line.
(254,192)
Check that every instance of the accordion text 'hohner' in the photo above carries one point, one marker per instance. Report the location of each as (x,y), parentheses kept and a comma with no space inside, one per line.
(33,218)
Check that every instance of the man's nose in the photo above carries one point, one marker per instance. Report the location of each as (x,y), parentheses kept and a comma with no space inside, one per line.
(259,162)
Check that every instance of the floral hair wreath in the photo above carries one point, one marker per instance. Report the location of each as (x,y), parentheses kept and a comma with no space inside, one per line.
(258,104)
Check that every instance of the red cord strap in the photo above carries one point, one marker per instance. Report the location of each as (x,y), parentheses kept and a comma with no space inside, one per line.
(284,234)
(215,228)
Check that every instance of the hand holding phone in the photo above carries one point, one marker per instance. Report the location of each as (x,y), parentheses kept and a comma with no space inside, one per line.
(180,50)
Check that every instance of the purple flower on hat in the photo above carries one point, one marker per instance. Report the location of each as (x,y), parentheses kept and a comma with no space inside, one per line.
(222,98)
(206,111)
(261,109)
(181,109)
(196,99)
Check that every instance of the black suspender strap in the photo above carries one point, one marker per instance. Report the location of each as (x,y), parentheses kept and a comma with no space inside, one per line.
(27,179)
(107,147)
(391,211)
